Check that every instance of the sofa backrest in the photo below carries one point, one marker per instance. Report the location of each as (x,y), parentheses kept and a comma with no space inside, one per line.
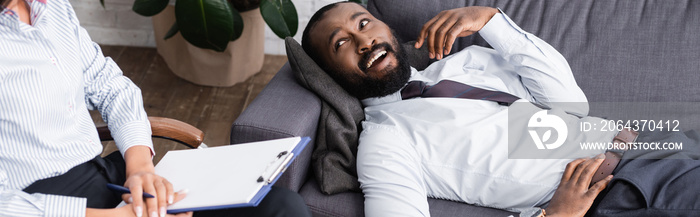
(619,51)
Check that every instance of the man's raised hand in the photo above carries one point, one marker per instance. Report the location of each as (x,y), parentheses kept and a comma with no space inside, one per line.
(443,29)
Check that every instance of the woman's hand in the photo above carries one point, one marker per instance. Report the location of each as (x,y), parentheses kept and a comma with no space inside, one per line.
(443,29)
(575,195)
(141,177)
(128,210)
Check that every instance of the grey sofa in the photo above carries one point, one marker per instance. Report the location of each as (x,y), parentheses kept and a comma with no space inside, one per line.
(619,51)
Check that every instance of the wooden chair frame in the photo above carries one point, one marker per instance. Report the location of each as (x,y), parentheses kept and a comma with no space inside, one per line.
(167,128)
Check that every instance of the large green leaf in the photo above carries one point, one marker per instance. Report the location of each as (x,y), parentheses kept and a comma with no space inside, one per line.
(205,23)
(281,16)
(237,25)
(149,7)
(173,30)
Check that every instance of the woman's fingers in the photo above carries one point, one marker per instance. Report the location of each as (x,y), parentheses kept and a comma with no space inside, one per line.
(137,199)
(162,198)
(151,203)
(184,214)
(177,196)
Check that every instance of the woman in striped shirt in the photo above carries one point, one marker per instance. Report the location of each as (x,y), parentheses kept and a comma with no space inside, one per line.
(51,73)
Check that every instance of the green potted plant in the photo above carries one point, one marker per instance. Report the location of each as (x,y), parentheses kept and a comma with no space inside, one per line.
(211,24)
(220,42)
(216,42)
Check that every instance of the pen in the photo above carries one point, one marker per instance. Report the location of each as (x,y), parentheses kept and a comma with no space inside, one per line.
(123,190)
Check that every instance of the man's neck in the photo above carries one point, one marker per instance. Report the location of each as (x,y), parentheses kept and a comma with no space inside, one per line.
(22,9)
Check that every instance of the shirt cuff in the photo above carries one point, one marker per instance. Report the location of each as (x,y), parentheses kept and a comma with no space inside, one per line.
(65,206)
(501,32)
(133,134)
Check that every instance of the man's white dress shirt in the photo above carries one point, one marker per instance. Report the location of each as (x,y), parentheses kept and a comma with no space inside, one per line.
(457,149)
(51,73)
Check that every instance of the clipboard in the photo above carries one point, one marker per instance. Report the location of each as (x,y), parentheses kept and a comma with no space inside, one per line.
(228,176)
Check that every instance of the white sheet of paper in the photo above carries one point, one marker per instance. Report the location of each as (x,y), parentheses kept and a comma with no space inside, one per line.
(223,175)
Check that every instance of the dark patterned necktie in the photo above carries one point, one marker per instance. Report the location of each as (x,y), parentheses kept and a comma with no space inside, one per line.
(452,89)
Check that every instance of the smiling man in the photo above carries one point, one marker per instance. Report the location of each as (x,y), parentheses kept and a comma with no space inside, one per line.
(363,56)
(425,138)
(374,67)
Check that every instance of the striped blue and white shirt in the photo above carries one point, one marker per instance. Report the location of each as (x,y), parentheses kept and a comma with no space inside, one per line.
(51,73)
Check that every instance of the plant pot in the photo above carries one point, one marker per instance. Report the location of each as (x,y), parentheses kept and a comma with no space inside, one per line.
(241,59)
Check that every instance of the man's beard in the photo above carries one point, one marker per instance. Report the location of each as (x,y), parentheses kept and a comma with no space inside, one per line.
(393,79)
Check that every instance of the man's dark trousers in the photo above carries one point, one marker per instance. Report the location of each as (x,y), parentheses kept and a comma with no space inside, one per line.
(89,180)
(655,182)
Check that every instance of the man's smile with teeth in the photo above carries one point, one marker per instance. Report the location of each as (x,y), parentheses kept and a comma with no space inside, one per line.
(375,57)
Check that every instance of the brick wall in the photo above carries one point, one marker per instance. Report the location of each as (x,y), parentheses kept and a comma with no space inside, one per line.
(117,24)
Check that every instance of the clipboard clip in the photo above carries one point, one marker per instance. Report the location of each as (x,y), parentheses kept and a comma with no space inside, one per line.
(275,167)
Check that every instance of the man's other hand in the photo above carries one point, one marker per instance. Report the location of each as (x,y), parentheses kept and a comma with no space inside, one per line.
(443,29)
(575,195)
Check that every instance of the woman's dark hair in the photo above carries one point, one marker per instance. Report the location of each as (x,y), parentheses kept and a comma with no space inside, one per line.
(3,3)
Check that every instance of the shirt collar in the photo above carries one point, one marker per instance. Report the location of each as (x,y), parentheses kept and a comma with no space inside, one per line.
(9,17)
(32,1)
(6,11)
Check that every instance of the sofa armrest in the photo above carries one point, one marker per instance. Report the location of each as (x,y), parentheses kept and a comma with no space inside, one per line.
(282,109)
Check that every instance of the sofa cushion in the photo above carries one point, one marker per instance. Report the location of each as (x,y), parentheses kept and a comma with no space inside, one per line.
(619,51)
(341,204)
(352,204)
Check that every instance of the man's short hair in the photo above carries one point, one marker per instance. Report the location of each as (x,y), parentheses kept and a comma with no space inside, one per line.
(306,37)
